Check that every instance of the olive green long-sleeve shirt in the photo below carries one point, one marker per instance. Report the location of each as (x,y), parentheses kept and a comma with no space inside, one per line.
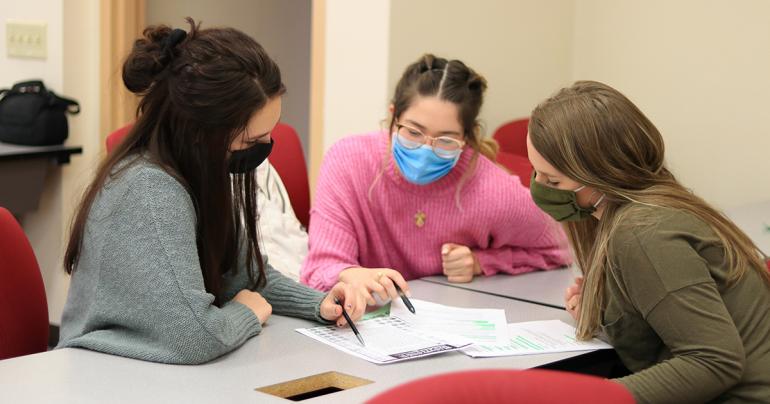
(674,321)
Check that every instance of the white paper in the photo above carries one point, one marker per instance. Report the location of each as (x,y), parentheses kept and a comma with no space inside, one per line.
(482,326)
(388,339)
(536,337)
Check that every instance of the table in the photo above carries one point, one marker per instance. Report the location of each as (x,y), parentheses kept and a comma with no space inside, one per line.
(754,220)
(23,170)
(279,354)
(541,287)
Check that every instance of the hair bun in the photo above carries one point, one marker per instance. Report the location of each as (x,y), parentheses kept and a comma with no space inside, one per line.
(473,81)
(148,57)
(432,63)
(476,82)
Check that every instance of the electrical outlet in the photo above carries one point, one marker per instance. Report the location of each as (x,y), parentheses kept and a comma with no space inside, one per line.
(26,39)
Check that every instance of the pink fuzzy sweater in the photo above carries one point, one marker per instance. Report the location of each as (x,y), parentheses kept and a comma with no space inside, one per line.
(365,214)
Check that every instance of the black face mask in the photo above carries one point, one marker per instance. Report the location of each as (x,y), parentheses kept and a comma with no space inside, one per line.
(246,160)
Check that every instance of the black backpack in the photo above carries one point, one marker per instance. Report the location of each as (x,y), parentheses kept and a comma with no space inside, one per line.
(33,116)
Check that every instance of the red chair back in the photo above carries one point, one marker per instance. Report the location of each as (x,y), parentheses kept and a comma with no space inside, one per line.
(512,137)
(536,386)
(289,160)
(114,138)
(517,165)
(23,305)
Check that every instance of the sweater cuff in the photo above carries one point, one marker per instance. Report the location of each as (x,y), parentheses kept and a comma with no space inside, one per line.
(332,275)
(485,262)
(242,320)
(317,312)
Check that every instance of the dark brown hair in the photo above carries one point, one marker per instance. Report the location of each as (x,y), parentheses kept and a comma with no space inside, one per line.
(197,96)
(452,81)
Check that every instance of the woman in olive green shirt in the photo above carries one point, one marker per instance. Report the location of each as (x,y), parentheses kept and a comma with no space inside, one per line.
(679,290)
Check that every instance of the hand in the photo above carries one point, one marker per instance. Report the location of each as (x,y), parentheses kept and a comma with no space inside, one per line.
(572,297)
(459,263)
(355,304)
(254,301)
(381,281)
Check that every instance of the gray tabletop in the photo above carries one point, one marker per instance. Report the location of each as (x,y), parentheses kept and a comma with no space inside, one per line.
(279,354)
(541,287)
(754,220)
(547,287)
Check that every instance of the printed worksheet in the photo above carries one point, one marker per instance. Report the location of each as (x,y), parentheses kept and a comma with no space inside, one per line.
(536,337)
(482,326)
(388,339)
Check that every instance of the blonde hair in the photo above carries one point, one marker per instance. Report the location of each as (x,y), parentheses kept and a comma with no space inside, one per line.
(598,137)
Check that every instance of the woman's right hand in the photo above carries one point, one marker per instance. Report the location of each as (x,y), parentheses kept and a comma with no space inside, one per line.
(254,301)
(572,297)
(381,281)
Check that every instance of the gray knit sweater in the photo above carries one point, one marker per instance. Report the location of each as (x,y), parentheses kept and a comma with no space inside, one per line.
(138,289)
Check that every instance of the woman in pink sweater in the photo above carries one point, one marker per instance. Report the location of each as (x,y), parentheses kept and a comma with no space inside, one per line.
(425,197)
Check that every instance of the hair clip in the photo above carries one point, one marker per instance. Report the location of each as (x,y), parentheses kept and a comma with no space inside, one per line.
(173,39)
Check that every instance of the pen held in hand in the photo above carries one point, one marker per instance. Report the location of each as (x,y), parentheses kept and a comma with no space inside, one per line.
(352,326)
(405,299)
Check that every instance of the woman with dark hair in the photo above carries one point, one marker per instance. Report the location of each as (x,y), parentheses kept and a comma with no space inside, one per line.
(424,197)
(164,252)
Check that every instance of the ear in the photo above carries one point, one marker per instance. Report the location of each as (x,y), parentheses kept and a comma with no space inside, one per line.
(391,108)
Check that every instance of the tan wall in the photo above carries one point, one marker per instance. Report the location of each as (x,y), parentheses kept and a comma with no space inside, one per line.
(522,47)
(81,72)
(356,67)
(700,70)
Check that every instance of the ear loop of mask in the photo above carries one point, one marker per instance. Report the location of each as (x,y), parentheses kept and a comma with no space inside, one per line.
(601,198)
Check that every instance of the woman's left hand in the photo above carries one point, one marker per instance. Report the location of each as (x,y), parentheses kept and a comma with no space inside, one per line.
(459,263)
(343,293)
(572,297)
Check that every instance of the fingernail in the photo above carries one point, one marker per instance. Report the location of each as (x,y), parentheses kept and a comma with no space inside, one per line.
(408,293)
(445,250)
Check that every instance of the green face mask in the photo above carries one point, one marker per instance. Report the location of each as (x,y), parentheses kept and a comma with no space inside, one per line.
(561,204)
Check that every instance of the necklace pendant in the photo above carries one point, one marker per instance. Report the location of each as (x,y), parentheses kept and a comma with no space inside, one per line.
(419,219)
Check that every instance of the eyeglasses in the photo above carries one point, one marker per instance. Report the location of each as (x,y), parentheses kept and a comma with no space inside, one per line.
(443,146)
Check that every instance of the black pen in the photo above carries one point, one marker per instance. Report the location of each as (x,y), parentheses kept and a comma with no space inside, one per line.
(404,298)
(352,326)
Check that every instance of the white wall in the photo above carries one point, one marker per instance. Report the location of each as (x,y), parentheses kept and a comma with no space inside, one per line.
(522,47)
(72,69)
(356,67)
(15,69)
(43,226)
(282,27)
(700,70)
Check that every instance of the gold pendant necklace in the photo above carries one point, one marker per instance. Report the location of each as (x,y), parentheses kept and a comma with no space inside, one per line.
(419,218)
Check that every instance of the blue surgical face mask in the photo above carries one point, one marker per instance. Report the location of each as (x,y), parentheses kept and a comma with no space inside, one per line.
(421,165)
